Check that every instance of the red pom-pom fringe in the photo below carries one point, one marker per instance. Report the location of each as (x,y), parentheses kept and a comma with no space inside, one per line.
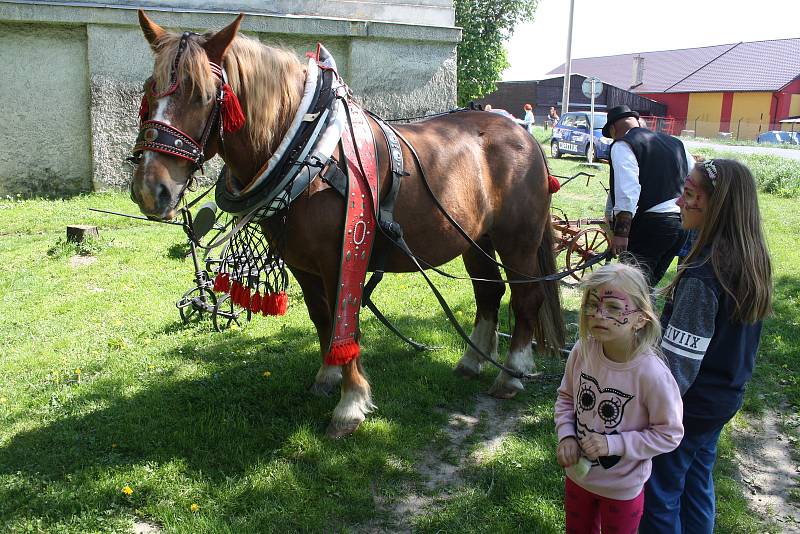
(222,283)
(274,303)
(232,116)
(553,184)
(255,303)
(244,300)
(342,353)
(281,303)
(236,292)
(144,109)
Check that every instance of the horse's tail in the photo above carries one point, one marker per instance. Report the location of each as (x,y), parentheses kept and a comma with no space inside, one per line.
(549,328)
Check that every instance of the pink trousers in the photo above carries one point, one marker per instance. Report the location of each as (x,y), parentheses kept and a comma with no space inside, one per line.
(587,512)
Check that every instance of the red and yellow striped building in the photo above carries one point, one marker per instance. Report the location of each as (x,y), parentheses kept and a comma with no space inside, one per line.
(740,89)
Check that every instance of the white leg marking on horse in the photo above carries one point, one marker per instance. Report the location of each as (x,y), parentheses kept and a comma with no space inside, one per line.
(353,407)
(519,360)
(484,335)
(328,377)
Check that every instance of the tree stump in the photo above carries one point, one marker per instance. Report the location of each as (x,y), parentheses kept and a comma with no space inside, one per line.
(77,233)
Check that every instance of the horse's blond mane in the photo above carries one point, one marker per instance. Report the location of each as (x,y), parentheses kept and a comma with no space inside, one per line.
(266,79)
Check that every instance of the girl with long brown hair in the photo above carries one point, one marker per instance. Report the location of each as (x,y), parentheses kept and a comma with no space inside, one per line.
(712,326)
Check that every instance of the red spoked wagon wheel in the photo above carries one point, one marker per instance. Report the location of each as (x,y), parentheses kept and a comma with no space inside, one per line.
(586,245)
(560,241)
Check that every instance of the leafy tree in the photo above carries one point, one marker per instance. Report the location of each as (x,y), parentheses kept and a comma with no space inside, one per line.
(481,54)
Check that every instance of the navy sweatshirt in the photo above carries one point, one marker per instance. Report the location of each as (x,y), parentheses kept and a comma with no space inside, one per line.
(710,355)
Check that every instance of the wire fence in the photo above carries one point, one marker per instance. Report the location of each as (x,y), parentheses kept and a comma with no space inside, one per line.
(744,129)
(740,129)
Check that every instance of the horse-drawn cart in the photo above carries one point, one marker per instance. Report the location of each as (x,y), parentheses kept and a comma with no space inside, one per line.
(581,240)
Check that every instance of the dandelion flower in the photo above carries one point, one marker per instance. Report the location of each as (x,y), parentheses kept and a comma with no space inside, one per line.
(3,400)
(127,490)
(114,445)
(267,374)
(194,507)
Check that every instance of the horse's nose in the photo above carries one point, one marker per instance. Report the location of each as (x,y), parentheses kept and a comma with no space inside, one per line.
(164,197)
(162,202)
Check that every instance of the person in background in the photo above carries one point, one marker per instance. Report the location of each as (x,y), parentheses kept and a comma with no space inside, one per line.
(617,406)
(529,119)
(646,178)
(712,319)
(552,117)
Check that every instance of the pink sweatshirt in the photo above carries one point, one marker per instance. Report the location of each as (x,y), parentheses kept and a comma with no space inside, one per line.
(636,404)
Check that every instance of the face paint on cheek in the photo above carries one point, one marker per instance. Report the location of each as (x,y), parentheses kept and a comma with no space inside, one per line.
(617,306)
(696,194)
(621,298)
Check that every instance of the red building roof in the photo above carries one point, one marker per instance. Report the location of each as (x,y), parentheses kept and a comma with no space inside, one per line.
(751,66)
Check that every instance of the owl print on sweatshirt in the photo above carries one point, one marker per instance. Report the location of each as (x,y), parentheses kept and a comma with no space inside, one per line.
(599,410)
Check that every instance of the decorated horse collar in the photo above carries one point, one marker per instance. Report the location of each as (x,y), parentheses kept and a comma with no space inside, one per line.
(306,146)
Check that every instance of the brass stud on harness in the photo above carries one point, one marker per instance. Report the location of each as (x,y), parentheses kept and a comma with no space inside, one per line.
(178,143)
(150,135)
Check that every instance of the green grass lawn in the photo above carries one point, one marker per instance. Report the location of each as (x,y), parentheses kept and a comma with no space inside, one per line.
(105,390)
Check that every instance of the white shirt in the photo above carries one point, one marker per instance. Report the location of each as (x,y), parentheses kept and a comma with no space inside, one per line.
(626,183)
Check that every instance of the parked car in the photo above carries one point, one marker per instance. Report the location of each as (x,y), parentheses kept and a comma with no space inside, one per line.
(571,136)
(778,137)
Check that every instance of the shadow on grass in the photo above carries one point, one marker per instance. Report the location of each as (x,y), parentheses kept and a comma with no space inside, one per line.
(251,441)
(180,251)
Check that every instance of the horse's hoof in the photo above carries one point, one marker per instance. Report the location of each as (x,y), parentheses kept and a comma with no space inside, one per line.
(341,429)
(465,372)
(506,389)
(322,389)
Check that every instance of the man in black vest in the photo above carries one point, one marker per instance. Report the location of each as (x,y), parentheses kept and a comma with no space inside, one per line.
(647,173)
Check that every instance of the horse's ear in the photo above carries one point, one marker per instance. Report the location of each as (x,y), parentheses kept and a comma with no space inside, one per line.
(221,41)
(152,31)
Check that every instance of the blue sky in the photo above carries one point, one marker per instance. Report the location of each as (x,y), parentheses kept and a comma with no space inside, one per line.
(539,46)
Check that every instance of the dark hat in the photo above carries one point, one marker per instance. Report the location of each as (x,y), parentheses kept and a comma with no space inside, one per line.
(615,114)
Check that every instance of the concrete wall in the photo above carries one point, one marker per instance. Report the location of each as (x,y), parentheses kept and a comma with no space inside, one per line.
(45,137)
(428,12)
(74,74)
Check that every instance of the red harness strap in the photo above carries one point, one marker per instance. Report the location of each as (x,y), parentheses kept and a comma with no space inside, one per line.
(359,235)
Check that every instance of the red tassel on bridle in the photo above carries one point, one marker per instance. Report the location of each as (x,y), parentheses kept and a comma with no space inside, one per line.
(231,110)
(144,109)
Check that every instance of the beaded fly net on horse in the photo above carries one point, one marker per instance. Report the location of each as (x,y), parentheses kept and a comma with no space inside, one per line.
(330,191)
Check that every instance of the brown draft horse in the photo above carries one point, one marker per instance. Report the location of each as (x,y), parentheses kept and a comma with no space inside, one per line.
(488,173)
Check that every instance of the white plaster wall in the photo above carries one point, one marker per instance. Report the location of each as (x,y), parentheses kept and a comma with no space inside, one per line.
(119,62)
(403,78)
(45,137)
(431,12)
(75,73)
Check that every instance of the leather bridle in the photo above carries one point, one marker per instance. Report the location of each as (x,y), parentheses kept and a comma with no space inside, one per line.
(161,137)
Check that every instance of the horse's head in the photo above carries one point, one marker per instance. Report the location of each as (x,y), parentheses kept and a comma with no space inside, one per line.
(181,113)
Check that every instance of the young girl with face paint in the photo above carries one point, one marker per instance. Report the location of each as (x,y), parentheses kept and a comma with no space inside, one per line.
(712,326)
(618,405)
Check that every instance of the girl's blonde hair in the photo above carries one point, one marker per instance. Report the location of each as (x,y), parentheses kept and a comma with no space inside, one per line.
(732,230)
(631,281)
